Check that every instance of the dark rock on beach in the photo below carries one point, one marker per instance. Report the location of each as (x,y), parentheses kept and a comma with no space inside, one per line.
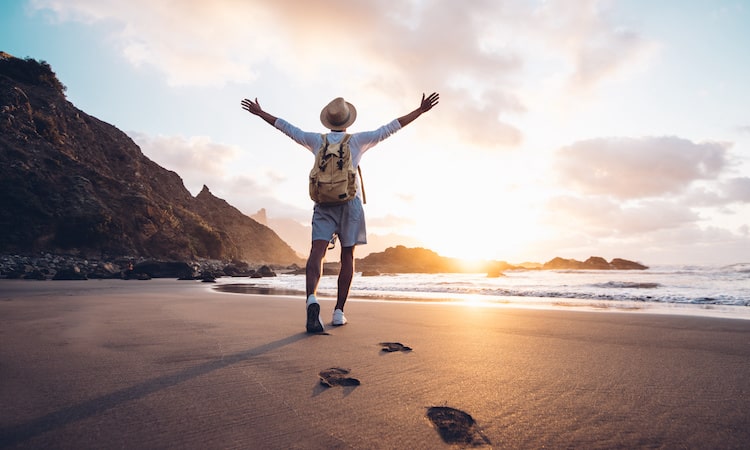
(59,267)
(266,271)
(70,273)
(238,269)
(105,270)
(165,269)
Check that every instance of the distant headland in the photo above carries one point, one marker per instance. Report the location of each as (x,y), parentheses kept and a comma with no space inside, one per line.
(401,259)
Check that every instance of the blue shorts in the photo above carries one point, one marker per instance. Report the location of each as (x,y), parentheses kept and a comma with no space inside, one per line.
(347,221)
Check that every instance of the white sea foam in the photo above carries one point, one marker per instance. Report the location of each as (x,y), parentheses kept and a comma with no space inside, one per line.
(723,291)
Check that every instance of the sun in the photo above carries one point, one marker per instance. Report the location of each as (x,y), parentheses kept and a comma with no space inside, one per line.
(481,238)
(468,204)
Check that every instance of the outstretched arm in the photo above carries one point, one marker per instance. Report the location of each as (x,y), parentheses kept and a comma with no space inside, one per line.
(426,105)
(253,107)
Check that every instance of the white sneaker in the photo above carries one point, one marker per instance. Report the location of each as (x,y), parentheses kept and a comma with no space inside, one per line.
(338,318)
(314,324)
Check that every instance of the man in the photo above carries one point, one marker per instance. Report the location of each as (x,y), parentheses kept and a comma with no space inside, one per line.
(347,220)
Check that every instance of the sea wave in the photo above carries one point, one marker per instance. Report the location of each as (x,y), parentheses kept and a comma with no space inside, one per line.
(726,286)
(740,268)
(627,285)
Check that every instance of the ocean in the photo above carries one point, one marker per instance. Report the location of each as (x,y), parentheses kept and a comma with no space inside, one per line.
(693,290)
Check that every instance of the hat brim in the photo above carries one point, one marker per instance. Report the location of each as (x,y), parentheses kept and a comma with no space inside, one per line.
(326,123)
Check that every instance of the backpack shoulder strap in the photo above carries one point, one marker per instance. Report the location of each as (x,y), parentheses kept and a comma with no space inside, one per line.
(362,183)
(359,169)
(323,142)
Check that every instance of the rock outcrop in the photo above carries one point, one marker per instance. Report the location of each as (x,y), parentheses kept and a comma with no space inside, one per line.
(72,184)
(400,259)
(593,263)
(419,260)
(59,267)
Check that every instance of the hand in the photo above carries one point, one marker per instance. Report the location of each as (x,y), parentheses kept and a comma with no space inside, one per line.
(253,107)
(429,102)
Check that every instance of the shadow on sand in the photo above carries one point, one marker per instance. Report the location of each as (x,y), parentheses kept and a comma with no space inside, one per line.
(13,435)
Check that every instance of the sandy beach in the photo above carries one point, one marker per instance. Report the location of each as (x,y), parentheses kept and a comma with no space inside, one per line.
(175,364)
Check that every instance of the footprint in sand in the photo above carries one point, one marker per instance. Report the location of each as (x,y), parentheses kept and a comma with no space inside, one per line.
(456,426)
(336,376)
(390,347)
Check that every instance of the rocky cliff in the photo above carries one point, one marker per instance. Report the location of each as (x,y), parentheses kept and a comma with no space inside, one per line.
(70,183)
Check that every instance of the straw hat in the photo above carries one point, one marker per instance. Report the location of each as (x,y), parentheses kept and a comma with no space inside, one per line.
(338,114)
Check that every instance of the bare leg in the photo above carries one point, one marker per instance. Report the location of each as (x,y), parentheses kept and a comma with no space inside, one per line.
(314,267)
(345,276)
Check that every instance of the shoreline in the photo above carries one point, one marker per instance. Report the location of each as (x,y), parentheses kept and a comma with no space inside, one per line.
(252,288)
(525,302)
(175,364)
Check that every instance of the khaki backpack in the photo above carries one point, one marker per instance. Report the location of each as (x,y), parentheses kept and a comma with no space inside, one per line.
(333,180)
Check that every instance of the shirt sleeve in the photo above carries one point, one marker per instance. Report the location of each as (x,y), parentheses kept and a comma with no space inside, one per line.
(367,139)
(307,139)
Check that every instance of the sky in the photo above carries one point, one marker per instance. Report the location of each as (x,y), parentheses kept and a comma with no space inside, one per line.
(618,129)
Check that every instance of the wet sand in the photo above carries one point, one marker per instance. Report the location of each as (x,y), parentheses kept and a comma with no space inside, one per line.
(175,364)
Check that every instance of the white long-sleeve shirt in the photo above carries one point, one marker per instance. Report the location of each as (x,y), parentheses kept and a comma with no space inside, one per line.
(359,143)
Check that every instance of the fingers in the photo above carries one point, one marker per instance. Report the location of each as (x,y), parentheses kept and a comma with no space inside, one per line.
(432,100)
(249,105)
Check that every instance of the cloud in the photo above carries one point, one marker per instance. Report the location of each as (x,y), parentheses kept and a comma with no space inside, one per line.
(192,42)
(197,159)
(695,244)
(722,193)
(629,168)
(447,47)
(474,51)
(653,232)
(390,221)
(690,244)
(630,190)
(200,161)
(595,46)
(737,190)
(603,217)
(249,196)
(479,122)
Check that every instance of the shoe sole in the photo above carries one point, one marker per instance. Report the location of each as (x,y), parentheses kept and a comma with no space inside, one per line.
(314,324)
